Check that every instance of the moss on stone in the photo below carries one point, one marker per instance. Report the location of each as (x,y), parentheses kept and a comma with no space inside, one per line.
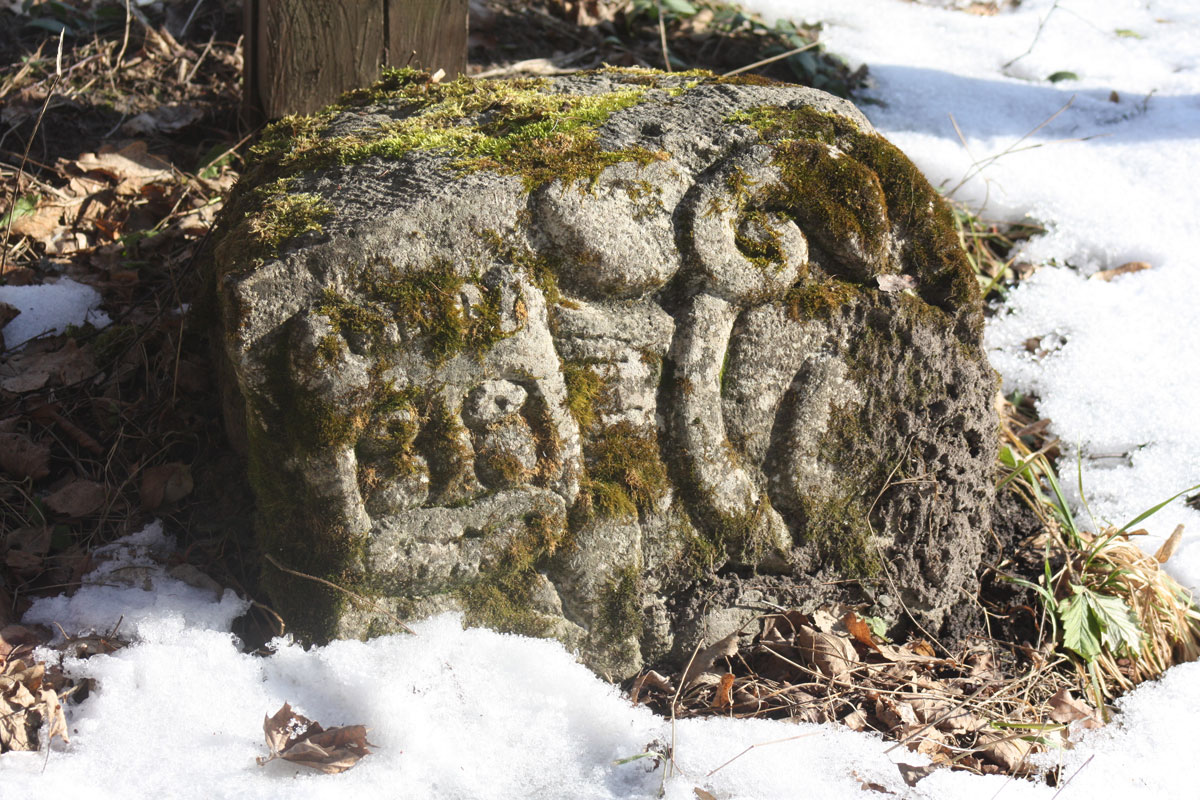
(819,299)
(429,300)
(270,214)
(541,270)
(619,615)
(759,241)
(446,445)
(585,389)
(515,127)
(625,472)
(502,596)
(920,220)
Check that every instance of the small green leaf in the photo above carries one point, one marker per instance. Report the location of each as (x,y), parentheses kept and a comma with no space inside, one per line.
(681,7)
(1120,629)
(878,627)
(1081,630)
(26,204)
(1063,75)
(1125,33)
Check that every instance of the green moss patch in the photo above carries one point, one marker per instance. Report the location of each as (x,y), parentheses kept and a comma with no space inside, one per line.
(620,606)
(921,221)
(429,300)
(625,470)
(515,127)
(502,596)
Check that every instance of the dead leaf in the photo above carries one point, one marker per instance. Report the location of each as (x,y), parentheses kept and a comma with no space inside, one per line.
(296,738)
(78,498)
(856,720)
(703,794)
(53,716)
(1008,752)
(724,648)
(31,370)
(14,636)
(8,313)
(652,679)
(1124,269)
(896,714)
(832,655)
(896,283)
(860,630)
(1066,709)
(1164,553)
(724,696)
(165,484)
(912,774)
(132,166)
(22,458)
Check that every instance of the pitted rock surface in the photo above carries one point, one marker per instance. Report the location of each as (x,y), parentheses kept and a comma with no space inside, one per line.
(629,400)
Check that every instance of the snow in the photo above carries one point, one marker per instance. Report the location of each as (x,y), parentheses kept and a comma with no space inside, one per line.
(50,308)
(461,714)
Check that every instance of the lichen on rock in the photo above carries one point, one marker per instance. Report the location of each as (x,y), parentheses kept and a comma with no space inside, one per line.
(603,357)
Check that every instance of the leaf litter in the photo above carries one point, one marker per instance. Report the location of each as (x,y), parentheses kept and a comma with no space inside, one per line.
(961,711)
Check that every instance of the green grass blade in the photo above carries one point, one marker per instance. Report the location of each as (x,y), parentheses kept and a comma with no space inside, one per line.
(1151,511)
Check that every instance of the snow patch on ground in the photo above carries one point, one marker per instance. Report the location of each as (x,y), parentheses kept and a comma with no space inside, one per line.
(50,308)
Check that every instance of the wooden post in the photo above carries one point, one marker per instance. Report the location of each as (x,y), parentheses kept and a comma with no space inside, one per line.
(301,54)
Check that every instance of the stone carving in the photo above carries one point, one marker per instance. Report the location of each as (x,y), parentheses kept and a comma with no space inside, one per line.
(621,358)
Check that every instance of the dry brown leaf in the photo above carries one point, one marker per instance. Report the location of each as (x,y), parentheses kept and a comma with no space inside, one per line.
(8,313)
(703,794)
(1066,709)
(652,679)
(32,370)
(42,224)
(78,498)
(723,648)
(132,166)
(1124,269)
(896,714)
(1008,752)
(859,630)
(831,655)
(1164,553)
(14,636)
(165,484)
(856,720)
(298,739)
(912,774)
(724,696)
(22,458)
(53,716)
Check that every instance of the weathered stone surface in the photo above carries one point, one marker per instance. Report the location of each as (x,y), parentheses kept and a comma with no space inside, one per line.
(605,357)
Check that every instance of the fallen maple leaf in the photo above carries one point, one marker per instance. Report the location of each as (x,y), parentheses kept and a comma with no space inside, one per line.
(296,738)
(132,166)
